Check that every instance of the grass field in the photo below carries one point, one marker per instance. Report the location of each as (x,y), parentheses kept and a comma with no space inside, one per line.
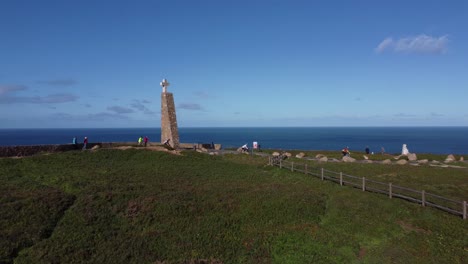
(138,206)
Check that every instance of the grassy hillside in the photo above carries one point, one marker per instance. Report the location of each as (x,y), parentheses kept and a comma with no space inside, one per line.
(138,206)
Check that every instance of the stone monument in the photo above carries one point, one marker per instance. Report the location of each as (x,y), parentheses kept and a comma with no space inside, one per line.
(169,131)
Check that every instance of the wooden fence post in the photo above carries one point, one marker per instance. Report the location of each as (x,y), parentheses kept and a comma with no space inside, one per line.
(269,160)
(322,174)
(305,169)
(423,198)
(281,165)
(341,178)
(292,166)
(363,184)
(390,190)
(464,210)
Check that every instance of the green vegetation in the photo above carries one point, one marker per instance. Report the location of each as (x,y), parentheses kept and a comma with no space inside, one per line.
(140,206)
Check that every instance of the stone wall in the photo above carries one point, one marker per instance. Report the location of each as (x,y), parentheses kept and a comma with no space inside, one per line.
(13,151)
(169,128)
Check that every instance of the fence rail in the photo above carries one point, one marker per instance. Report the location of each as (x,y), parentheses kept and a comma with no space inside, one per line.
(366,185)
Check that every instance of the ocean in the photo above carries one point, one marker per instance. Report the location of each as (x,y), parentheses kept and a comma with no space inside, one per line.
(437,140)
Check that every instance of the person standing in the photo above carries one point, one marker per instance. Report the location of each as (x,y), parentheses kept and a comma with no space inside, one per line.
(139,141)
(367,150)
(145,140)
(345,152)
(85,142)
(75,143)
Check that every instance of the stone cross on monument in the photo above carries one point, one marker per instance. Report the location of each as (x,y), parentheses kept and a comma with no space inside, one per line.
(164,84)
(169,130)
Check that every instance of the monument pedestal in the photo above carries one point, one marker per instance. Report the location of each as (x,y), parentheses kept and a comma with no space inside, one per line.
(169,129)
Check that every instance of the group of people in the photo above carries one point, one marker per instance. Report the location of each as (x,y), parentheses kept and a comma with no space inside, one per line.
(144,140)
(345,151)
(404,150)
(85,142)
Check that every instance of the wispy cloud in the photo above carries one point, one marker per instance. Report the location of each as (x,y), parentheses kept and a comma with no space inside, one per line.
(5,89)
(48,99)
(203,95)
(433,114)
(403,115)
(190,106)
(139,105)
(101,116)
(7,96)
(120,109)
(416,44)
(59,82)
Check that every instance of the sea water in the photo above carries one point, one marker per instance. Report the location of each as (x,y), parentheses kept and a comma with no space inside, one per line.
(437,140)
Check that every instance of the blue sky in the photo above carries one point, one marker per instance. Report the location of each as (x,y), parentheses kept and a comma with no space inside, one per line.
(67,64)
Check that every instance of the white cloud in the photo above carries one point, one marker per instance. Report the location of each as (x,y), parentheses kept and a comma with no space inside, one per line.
(385,44)
(417,44)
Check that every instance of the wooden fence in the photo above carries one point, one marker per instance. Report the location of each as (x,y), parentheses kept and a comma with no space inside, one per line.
(367,185)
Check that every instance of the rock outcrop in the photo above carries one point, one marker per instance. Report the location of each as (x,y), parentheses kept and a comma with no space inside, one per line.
(300,155)
(348,159)
(323,159)
(402,162)
(412,157)
(450,158)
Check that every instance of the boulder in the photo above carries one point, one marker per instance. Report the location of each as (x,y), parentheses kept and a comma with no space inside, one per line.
(365,157)
(462,159)
(318,156)
(95,147)
(287,154)
(323,159)
(387,161)
(412,157)
(450,158)
(423,161)
(275,154)
(435,162)
(348,159)
(300,155)
(402,162)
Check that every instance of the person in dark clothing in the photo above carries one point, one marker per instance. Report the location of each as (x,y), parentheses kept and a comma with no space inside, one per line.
(367,150)
(85,142)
